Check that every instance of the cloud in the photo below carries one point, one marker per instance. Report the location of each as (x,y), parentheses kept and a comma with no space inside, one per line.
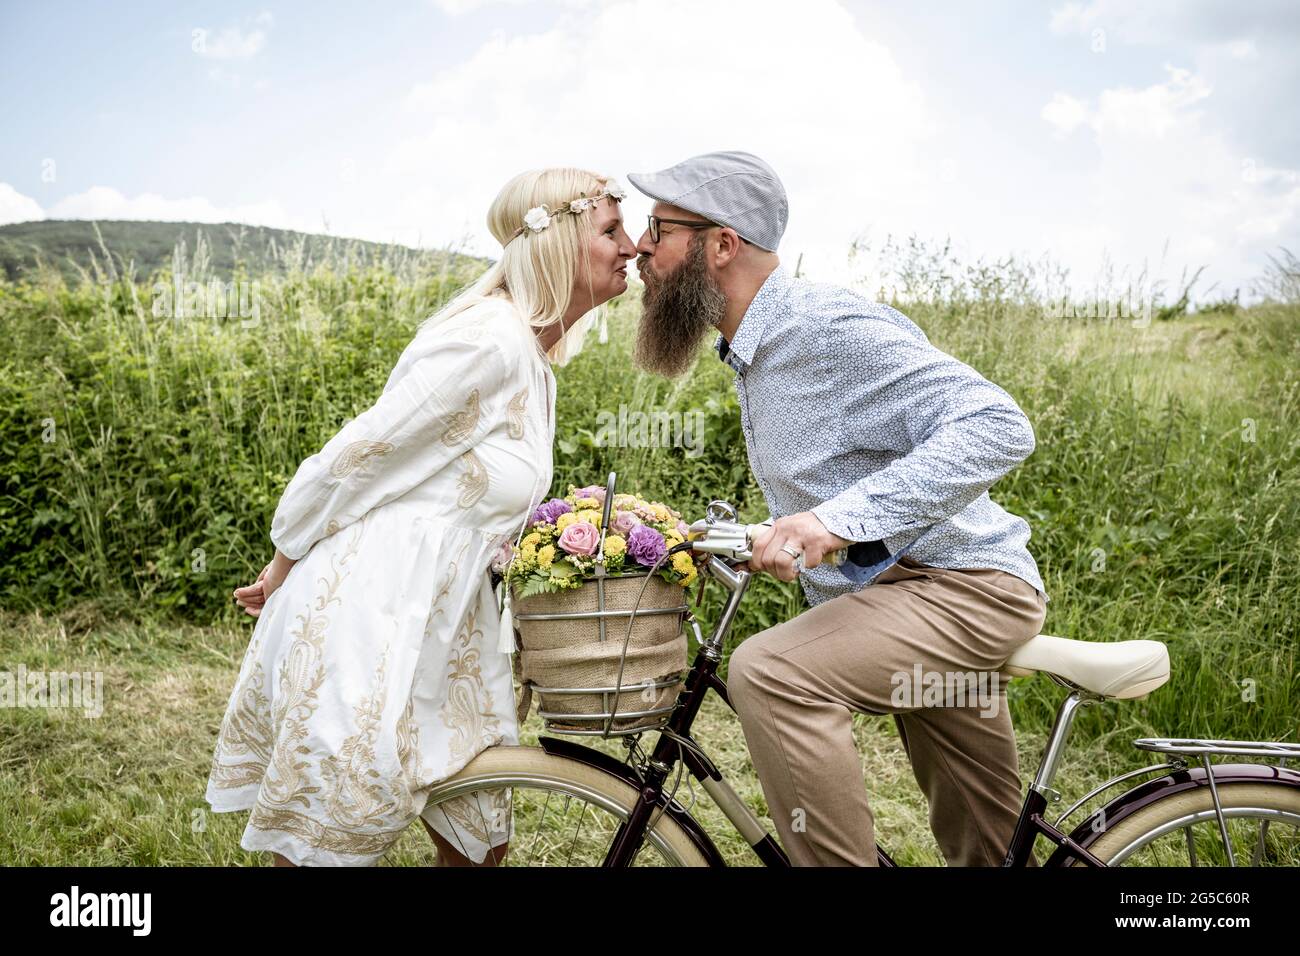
(240,42)
(1177,21)
(1164,174)
(456,8)
(103,202)
(1065,113)
(15,207)
(629,85)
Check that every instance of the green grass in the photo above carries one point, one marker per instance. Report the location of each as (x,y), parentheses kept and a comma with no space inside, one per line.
(1164,497)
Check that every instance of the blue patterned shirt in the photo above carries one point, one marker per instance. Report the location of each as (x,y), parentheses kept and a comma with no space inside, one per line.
(849,412)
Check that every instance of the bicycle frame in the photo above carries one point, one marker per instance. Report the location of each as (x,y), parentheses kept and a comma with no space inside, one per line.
(675,743)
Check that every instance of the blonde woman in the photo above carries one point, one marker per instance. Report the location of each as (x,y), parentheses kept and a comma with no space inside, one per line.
(375,668)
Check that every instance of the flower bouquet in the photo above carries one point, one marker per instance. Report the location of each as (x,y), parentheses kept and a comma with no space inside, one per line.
(562,544)
(600,635)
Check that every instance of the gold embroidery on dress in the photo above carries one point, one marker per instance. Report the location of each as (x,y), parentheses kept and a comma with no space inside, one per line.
(466,812)
(474,483)
(448,578)
(468,707)
(463,423)
(332,527)
(357,794)
(408,745)
(246,731)
(356,454)
(515,414)
(319,835)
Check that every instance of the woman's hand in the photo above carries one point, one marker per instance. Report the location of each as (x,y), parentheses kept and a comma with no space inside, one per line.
(254,597)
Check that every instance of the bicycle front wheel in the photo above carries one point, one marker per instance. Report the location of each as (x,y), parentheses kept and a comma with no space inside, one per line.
(1182,829)
(562,812)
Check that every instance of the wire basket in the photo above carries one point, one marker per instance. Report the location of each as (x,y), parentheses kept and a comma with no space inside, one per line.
(573,653)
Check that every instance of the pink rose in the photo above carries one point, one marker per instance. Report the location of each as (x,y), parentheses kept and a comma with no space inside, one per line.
(623,523)
(503,555)
(581,537)
(683,529)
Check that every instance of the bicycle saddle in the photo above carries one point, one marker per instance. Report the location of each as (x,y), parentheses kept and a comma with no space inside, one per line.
(1124,670)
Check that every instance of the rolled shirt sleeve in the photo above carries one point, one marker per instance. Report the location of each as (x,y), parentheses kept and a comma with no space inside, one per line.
(957,433)
(437,405)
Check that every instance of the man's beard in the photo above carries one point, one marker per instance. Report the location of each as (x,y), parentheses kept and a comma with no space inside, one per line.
(677,311)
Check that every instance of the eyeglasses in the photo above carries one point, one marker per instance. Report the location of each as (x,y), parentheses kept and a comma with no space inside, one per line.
(691,223)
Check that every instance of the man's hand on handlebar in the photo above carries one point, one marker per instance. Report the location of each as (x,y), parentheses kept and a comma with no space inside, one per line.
(804,533)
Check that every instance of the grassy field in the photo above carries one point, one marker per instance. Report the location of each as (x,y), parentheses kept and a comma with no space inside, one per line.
(144,455)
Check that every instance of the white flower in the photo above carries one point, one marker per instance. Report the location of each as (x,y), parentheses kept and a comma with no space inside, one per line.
(615,189)
(580,205)
(537,219)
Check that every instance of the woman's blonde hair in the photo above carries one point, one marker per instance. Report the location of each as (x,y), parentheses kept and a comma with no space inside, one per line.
(537,270)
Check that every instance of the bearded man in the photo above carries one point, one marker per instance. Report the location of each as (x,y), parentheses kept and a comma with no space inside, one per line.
(857,430)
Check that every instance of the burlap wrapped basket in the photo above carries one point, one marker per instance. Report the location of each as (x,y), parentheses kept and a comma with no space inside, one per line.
(571,654)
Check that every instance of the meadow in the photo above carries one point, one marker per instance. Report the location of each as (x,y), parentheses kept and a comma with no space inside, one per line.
(144,454)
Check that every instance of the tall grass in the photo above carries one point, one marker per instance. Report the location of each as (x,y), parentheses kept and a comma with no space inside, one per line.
(144,455)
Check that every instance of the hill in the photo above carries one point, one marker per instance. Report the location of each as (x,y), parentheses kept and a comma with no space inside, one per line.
(71,245)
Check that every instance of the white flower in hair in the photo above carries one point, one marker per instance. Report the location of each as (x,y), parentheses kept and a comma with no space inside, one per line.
(537,219)
(615,189)
(580,205)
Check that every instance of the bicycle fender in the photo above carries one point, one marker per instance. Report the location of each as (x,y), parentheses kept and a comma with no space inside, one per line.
(1147,793)
(603,761)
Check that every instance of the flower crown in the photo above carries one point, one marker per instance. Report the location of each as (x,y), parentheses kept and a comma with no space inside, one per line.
(539,217)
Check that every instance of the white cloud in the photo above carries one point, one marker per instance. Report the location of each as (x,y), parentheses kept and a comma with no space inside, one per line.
(1065,113)
(15,207)
(454,8)
(102,202)
(239,42)
(628,85)
(1164,175)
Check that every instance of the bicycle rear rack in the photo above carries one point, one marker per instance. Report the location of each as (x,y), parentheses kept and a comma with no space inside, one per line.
(1226,748)
(1204,749)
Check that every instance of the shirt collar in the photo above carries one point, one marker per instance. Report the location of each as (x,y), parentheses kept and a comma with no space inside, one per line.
(739,354)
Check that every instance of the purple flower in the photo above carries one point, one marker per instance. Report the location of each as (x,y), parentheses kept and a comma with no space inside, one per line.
(592,491)
(623,522)
(548,512)
(646,545)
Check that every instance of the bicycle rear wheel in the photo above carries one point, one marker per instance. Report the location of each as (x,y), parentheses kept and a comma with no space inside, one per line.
(562,812)
(1182,829)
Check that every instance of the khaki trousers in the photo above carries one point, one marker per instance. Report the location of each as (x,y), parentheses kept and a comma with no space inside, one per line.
(919,644)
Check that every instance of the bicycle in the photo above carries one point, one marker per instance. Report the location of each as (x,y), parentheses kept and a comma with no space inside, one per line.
(638,821)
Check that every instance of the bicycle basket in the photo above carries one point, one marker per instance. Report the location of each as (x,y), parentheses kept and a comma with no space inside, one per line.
(572,648)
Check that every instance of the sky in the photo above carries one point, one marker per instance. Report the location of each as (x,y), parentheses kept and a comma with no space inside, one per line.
(1100,134)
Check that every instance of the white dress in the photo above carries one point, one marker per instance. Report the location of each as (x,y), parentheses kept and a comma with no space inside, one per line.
(374,670)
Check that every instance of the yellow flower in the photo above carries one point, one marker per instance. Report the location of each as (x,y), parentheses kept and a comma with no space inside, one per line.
(588,503)
(672,539)
(684,566)
(531,540)
(527,557)
(564,520)
(660,512)
(546,556)
(590,515)
(614,544)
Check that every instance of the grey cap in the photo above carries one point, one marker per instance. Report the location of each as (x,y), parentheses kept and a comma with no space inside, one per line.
(731,188)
